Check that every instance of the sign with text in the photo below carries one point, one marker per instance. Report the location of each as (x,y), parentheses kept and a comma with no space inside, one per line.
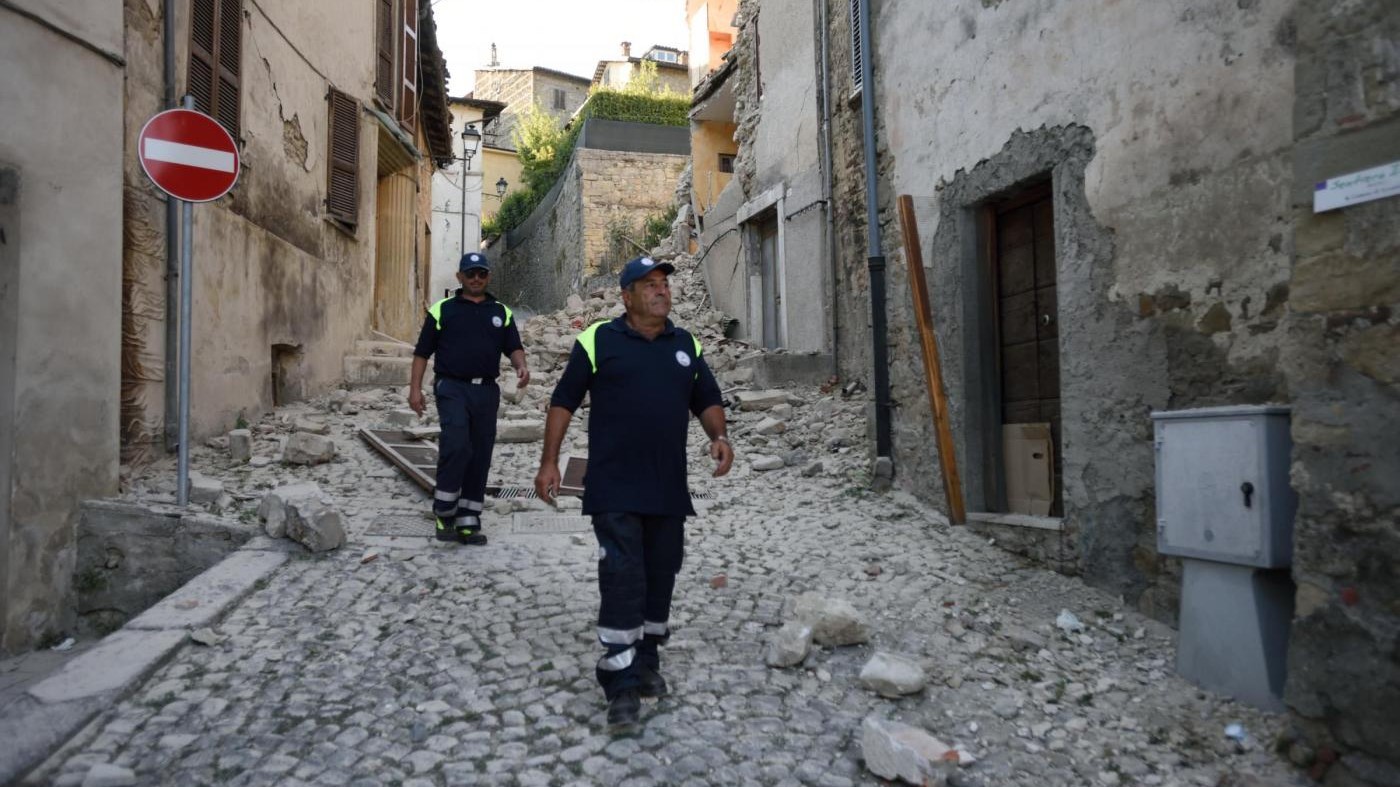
(1358,187)
(188,155)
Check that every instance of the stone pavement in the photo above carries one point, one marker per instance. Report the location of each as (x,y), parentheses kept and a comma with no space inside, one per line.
(442,665)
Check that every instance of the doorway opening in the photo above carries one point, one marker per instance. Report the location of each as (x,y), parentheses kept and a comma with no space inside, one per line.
(288,382)
(1020,269)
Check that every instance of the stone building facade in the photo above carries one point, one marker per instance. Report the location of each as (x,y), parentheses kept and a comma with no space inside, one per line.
(555,92)
(60,297)
(1161,223)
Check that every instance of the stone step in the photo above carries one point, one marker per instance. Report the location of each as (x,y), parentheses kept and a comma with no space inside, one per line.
(377,369)
(376,348)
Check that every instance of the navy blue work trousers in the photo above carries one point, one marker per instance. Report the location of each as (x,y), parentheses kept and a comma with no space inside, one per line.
(638,560)
(467,412)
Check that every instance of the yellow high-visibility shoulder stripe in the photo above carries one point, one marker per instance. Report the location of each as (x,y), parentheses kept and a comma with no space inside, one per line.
(509,314)
(698,349)
(436,311)
(588,340)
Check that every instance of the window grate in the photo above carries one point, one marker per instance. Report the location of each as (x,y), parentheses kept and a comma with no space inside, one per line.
(857,52)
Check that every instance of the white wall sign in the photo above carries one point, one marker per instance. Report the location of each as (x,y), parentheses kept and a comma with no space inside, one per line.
(1358,187)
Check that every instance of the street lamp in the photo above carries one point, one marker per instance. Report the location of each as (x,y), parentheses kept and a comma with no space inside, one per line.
(471,142)
(501,186)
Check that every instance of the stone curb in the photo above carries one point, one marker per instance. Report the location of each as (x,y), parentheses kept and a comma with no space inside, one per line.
(56,708)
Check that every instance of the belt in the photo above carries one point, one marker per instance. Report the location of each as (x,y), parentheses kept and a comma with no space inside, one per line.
(470,380)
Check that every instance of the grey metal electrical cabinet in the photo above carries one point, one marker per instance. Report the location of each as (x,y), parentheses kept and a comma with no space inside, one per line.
(1223,492)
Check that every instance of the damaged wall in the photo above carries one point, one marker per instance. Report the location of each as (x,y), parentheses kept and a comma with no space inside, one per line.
(566,242)
(60,310)
(270,268)
(1342,361)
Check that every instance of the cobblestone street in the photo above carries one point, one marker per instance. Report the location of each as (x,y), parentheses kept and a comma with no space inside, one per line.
(435,664)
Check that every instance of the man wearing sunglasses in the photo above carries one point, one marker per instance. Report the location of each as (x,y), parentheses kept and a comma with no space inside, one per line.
(468,332)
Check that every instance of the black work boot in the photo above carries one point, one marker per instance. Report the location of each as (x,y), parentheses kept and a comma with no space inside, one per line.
(443,530)
(624,710)
(653,685)
(469,531)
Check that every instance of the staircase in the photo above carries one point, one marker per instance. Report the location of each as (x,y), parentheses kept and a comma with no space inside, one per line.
(382,362)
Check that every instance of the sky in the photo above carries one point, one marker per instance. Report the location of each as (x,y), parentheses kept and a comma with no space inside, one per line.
(565,35)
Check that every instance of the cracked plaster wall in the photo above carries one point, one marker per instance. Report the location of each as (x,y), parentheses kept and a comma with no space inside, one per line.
(60,310)
(1172,241)
(269,268)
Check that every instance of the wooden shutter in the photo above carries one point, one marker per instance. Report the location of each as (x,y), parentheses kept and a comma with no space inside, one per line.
(384,38)
(216,60)
(408,97)
(857,54)
(343,159)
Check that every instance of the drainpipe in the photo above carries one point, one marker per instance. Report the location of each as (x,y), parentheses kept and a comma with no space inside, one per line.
(172,256)
(875,260)
(833,260)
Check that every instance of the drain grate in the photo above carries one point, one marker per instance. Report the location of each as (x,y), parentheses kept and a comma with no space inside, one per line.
(406,525)
(542,524)
(512,493)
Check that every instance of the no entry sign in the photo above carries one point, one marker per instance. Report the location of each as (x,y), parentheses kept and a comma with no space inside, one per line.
(188,155)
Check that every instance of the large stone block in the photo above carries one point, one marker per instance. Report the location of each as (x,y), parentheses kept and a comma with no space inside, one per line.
(273,509)
(897,751)
(304,448)
(834,621)
(377,370)
(523,431)
(240,445)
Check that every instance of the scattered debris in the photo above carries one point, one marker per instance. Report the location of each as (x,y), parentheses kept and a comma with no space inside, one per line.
(719,581)
(790,645)
(891,675)
(206,636)
(66,644)
(1067,622)
(834,621)
(897,751)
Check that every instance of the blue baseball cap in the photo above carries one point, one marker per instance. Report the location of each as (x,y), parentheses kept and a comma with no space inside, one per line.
(640,267)
(473,260)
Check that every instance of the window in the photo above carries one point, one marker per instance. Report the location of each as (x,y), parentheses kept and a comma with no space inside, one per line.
(726,162)
(384,46)
(857,54)
(408,102)
(666,57)
(560,98)
(343,161)
(216,41)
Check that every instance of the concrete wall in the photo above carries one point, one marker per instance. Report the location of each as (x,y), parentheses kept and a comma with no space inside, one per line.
(779,170)
(497,164)
(1342,363)
(708,140)
(60,306)
(447,243)
(270,268)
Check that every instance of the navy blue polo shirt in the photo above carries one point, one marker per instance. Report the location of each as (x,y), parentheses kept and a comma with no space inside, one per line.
(643,393)
(467,337)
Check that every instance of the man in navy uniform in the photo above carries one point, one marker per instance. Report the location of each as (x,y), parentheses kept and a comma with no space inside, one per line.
(645,377)
(468,333)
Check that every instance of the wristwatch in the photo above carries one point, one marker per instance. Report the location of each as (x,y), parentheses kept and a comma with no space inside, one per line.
(725,438)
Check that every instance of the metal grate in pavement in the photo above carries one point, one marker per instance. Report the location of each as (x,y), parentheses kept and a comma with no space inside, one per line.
(527,523)
(401,525)
(527,493)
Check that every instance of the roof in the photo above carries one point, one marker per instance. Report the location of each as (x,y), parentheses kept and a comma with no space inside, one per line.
(489,108)
(432,98)
(603,64)
(543,70)
(714,81)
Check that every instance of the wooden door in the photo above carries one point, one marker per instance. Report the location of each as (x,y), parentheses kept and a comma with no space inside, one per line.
(1028,318)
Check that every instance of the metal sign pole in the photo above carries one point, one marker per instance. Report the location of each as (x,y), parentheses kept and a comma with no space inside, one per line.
(186,295)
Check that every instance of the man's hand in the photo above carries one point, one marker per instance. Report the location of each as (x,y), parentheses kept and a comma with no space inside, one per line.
(522,376)
(415,399)
(721,451)
(547,482)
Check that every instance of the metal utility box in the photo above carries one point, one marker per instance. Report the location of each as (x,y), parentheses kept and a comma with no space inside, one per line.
(1222,485)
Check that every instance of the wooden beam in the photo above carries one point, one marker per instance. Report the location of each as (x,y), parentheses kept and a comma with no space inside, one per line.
(933,371)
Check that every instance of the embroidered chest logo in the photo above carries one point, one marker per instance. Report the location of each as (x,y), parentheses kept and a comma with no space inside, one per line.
(682,358)
(496,321)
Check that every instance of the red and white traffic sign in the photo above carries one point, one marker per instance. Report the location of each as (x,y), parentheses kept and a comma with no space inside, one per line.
(188,155)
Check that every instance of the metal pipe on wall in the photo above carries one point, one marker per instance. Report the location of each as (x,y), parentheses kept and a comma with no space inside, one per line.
(875,260)
(172,261)
(832,258)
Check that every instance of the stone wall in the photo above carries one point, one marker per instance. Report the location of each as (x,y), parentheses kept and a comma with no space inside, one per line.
(60,298)
(518,89)
(567,240)
(1170,233)
(1342,364)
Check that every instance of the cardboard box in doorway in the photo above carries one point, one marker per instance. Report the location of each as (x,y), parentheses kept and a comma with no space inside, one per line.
(1028,457)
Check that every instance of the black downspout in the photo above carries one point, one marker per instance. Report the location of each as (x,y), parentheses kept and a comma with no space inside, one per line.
(172,257)
(875,260)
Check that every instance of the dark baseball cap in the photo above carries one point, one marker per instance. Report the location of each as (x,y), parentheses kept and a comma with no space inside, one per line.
(473,260)
(640,267)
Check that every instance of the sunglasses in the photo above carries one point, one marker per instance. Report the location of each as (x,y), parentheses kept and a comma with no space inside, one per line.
(476,273)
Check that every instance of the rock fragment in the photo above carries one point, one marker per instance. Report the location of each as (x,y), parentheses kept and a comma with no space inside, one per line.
(305,448)
(524,431)
(240,445)
(790,645)
(897,751)
(892,675)
(834,621)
